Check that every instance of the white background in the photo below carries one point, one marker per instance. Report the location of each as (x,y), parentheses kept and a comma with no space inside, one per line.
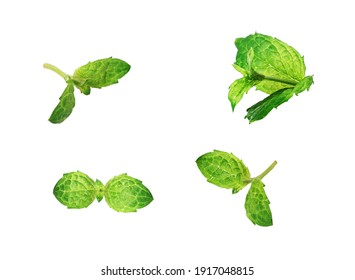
(168,110)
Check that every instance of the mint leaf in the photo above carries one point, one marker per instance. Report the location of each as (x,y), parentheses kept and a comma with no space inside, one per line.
(75,190)
(259,110)
(122,193)
(127,194)
(238,88)
(65,105)
(96,74)
(224,170)
(271,66)
(272,58)
(257,205)
(100,73)
(227,171)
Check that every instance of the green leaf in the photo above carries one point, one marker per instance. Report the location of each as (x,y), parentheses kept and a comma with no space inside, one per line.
(259,110)
(100,73)
(65,105)
(224,170)
(271,58)
(127,194)
(270,65)
(238,88)
(257,205)
(75,190)
(100,190)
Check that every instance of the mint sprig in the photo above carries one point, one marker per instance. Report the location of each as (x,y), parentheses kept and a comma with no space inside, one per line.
(227,171)
(271,66)
(96,74)
(122,193)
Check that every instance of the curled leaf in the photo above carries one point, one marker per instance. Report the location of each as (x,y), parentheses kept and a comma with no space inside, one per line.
(259,110)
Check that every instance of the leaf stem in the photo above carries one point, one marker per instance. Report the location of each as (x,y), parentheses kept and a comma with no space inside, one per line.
(55,69)
(280,80)
(271,167)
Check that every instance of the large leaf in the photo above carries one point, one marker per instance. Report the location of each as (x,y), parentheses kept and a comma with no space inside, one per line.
(224,170)
(100,73)
(272,59)
(127,194)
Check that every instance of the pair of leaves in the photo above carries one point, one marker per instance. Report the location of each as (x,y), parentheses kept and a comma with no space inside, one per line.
(227,171)
(122,193)
(96,74)
(271,66)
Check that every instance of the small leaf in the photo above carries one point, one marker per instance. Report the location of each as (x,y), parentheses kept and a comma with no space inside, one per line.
(75,190)
(234,190)
(100,73)
(85,89)
(224,170)
(127,194)
(65,105)
(238,88)
(100,190)
(303,85)
(240,69)
(257,205)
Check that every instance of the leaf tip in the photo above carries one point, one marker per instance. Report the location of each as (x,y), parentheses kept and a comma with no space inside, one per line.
(54,120)
(249,118)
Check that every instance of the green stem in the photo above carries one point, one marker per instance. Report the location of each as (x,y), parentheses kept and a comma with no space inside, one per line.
(55,69)
(271,167)
(280,80)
